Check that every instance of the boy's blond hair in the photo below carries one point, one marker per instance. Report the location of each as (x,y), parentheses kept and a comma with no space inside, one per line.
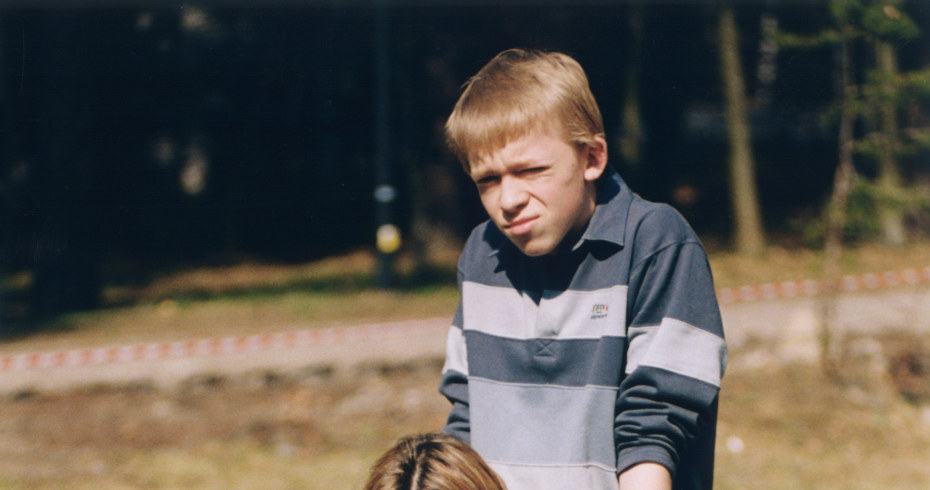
(516,93)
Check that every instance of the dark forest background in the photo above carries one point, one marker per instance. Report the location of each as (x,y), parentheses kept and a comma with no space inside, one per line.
(163,133)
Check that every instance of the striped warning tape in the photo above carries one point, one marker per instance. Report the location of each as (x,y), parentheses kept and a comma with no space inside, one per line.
(213,346)
(336,335)
(813,287)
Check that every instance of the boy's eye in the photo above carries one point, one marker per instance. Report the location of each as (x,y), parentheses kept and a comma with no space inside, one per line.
(532,170)
(488,179)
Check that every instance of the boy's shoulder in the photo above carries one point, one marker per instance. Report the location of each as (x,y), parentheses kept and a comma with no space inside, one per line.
(656,218)
(484,241)
(486,255)
(626,218)
(652,226)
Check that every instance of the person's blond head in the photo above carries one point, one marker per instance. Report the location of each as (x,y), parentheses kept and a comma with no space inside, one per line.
(519,92)
(432,461)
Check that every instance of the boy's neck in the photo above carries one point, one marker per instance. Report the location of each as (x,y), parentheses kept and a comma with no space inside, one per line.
(570,242)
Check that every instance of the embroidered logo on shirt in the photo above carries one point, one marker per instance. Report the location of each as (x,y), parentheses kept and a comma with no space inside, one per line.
(599,311)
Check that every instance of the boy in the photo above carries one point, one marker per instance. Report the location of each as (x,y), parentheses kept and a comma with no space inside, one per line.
(587,349)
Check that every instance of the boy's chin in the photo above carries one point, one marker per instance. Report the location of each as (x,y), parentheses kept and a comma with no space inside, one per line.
(539,247)
(534,248)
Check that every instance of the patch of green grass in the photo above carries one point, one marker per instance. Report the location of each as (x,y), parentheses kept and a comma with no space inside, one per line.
(242,299)
(170,319)
(249,297)
(784,264)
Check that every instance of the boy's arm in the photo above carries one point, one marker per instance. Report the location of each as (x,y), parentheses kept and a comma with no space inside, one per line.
(645,476)
(454,384)
(676,354)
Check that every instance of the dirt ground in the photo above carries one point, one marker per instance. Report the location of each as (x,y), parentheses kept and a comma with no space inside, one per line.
(321,428)
(100,435)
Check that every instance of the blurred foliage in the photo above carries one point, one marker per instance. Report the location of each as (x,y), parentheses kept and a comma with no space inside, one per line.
(892,139)
(790,40)
(863,222)
(885,20)
(142,139)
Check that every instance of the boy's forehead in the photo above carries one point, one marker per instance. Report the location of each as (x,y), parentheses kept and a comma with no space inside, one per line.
(501,153)
(494,146)
(532,148)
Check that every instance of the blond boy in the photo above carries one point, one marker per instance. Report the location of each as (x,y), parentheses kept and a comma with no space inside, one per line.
(587,349)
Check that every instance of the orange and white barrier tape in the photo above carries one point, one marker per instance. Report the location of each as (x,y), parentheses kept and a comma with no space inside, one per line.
(214,346)
(338,335)
(812,287)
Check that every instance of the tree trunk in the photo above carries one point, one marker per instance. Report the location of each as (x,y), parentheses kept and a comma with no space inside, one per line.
(749,235)
(830,338)
(890,212)
(385,193)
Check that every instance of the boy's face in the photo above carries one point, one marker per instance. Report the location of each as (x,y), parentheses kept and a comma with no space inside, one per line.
(539,189)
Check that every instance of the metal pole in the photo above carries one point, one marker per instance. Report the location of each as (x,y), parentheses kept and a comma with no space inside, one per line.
(388,239)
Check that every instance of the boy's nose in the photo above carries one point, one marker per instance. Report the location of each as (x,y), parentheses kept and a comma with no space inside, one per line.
(513,196)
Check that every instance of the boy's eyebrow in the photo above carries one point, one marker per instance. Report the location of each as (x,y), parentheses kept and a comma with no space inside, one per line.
(542,161)
(477,175)
(516,165)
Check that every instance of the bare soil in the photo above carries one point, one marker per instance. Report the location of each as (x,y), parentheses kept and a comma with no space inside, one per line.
(96,436)
(781,426)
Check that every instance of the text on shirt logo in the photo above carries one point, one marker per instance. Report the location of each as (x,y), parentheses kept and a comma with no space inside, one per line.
(598,311)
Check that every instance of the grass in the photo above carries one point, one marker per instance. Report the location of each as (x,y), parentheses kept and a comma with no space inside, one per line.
(242,299)
(782,264)
(254,297)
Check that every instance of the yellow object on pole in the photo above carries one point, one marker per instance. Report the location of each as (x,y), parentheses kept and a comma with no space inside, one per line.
(388,239)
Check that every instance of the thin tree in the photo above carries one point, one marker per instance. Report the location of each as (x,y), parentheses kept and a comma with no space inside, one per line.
(835,222)
(880,24)
(875,101)
(748,230)
(888,183)
(883,24)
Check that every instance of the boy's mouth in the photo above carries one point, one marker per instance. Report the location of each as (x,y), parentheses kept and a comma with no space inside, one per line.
(521,226)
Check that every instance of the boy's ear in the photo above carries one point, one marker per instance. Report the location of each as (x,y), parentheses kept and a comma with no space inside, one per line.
(595,159)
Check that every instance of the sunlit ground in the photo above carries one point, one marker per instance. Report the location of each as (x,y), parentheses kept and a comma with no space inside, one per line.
(781,426)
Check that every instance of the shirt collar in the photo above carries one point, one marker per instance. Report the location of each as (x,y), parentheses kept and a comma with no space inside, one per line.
(608,223)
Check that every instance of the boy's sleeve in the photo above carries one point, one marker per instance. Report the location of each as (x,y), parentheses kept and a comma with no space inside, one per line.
(676,354)
(454,384)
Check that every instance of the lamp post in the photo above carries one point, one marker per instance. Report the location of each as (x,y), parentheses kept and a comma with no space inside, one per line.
(387,235)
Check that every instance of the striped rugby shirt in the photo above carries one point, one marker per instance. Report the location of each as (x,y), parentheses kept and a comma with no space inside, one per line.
(564,373)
